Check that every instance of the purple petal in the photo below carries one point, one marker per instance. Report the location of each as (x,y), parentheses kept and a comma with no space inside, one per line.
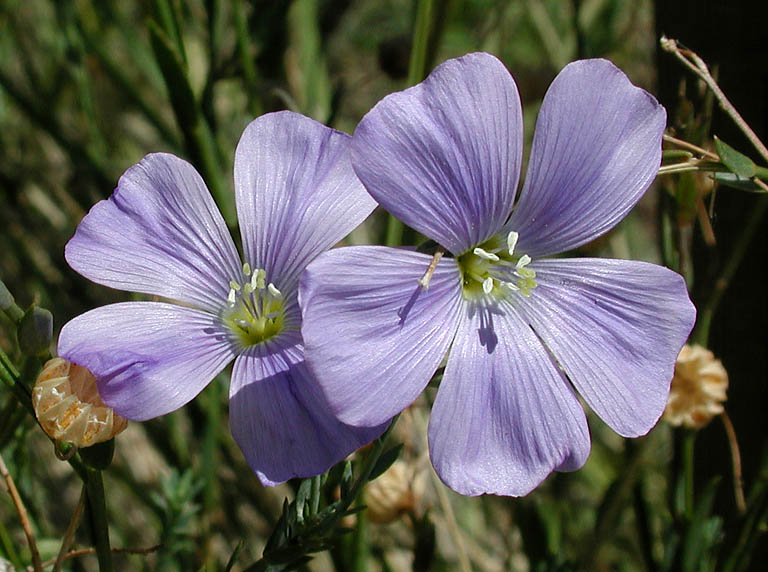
(504,417)
(616,327)
(444,156)
(297,194)
(373,336)
(280,419)
(159,233)
(149,358)
(596,149)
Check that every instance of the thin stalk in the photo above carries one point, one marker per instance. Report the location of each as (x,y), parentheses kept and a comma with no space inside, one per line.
(8,548)
(315,507)
(693,62)
(246,58)
(690,147)
(687,449)
(10,376)
(706,313)
(417,71)
(23,516)
(66,541)
(738,482)
(360,543)
(97,518)
(128,86)
(45,120)
(620,497)
(453,527)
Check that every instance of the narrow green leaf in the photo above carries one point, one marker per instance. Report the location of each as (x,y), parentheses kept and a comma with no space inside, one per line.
(737,162)
(386,460)
(675,155)
(734,181)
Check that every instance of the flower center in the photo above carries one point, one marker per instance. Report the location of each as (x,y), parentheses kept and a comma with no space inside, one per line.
(493,269)
(254,308)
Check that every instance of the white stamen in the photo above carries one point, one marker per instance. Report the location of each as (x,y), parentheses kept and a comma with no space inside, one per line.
(234,285)
(485,255)
(512,241)
(511,286)
(231,297)
(488,285)
(247,269)
(248,289)
(523,262)
(272,289)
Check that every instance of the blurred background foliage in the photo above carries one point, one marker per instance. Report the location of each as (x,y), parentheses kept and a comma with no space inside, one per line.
(87,88)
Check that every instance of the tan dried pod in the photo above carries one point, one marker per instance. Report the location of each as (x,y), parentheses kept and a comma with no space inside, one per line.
(69,407)
(698,388)
(395,492)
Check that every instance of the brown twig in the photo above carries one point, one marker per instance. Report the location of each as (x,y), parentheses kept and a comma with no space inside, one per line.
(87,551)
(693,62)
(690,147)
(66,542)
(23,517)
(738,482)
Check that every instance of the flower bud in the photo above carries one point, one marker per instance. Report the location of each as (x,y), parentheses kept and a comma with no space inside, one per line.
(69,407)
(698,388)
(395,492)
(35,331)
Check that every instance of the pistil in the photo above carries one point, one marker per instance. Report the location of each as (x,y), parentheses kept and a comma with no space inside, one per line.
(254,309)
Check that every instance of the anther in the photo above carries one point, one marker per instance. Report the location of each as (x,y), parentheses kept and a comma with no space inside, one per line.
(246,269)
(231,297)
(258,279)
(272,289)
(485,255)
(512,241)
(523,262)
(234,285)
(488,285)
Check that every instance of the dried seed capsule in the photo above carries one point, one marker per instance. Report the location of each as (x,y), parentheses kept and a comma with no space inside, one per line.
(698,388)
(69,408)
(395,492)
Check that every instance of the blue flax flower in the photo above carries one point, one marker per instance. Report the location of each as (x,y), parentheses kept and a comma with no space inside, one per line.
(160,233)
(525,332)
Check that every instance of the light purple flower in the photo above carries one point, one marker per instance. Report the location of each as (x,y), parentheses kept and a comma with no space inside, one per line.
(160,233)
(523,330)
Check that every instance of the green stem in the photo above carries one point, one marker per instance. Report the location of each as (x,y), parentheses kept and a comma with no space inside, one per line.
(687,449)
(9,306)
(45,120)
(706,313)
(417,71)
(315,495)
(127,85)
(619,495)
(246,59)
(198,139)
(360,544)
(8,548)
(10,376)
(97,518)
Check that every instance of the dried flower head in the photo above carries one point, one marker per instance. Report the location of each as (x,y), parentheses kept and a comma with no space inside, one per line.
(69,408)
(397,491)
(698,388)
